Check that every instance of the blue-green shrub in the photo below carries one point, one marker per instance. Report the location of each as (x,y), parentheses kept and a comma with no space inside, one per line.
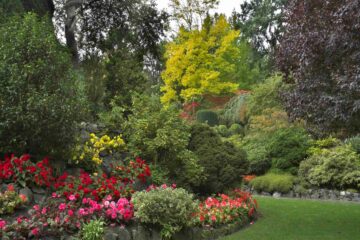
(207,116)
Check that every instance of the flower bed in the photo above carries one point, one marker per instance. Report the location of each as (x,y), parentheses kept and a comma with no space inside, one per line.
(77,200)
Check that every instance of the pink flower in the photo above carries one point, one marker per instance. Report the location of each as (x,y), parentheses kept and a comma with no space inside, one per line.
(213,218)
(113,215)
(72,197)
(84,201)
(35,231)
(70,212)
(55,195)
(106,203)
(108,198)
(78,225)
(43,211)
(164,186)
(2,224)
(173,185)
(19,220)
(36,207)
(57,220)
(62,206)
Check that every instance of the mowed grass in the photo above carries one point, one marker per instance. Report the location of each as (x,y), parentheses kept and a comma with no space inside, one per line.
(292,219)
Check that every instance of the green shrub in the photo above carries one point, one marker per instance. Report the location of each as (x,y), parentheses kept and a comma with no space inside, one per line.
(273,183)
(354,142)
(235,111)
(265,95)
(94,230)
(223,163)
(171,209)
(256,148)
(236,129)
(337,167)
(160,137)
(318,145)
(207,116)
(222,130)
(288,147)
(39,98)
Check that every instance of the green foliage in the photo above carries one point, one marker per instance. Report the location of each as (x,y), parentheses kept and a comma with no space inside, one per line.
(124,75)
(265,95)
(317,146)
(235,111)
(159,136)
(338,167)
(94,230)
(288,147)
(257,150)
(207,116)
(273,183)
(39,99)
(354,142)
(236,129)
(222,130)
(223,163)
(9,201)
(171,209)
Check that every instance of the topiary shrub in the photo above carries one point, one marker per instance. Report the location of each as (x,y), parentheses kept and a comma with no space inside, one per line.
(39,98)
(223,164)
(171,209)
(288,147)
(207,116)
(273,183)
(337,167)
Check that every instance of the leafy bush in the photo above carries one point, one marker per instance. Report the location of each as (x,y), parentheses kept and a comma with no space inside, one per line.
(354,142)
(94,230)
(161,137)
(268,122)
(223,163)
(257,151)
(207,116)
(265,95)
(273,183)
(318,145)
(222,130)
(10,200)
(236,129)
(288,147)
(337,167)
(39,99)
(169,208)
(235,111)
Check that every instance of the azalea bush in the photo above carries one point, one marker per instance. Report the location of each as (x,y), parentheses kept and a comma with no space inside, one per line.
(89,154)
(167,207)
(10,200)
(224,209)
(24,172)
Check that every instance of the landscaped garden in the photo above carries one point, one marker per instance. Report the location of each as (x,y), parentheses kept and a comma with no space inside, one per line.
(119,120)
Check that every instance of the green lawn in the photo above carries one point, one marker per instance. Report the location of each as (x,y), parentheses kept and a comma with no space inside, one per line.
(290,219)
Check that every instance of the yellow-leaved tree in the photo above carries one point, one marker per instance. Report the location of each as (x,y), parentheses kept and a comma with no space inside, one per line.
(201,62)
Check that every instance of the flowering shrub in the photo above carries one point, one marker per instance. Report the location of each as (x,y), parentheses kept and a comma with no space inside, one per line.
(10,200)
(89,154)
(95,186)
(167,207)
(248,178)
(59,214)
(225,209)
(24,172)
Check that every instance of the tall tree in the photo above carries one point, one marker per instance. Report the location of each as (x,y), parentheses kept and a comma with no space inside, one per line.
(320,55)
(207,61)
(190,14)
(261,21)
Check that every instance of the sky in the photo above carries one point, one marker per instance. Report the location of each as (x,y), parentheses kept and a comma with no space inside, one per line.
(225,6)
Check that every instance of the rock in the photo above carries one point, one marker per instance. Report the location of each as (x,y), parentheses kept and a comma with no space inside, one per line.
(28,193)
(39,198)
(110,236)
(124,234)
(38,190)
(265,194)
(342,193)
(276,195)
(315,195)
(140,233)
